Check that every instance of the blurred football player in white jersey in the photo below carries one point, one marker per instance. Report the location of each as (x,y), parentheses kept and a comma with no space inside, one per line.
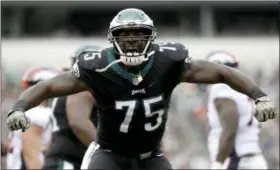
(26,150)
(233,140)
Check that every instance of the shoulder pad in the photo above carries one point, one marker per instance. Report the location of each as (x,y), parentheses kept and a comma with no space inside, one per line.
(178,46)
(88,59)
(86,48)
(175,51)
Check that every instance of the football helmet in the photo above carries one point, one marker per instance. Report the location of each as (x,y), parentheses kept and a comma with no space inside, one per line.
(222,57)
(34,75)
(132,48)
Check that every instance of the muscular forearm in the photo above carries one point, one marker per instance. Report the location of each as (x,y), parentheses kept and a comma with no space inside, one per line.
(85,131)
(226,145)
(240,82)
(33,96)
(60,85)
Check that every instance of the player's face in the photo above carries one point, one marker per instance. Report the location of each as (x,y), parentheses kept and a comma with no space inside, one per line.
(132,40)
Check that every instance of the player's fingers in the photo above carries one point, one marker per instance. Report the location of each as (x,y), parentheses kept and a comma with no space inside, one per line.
(27,124)
(22,123)
(271,115)
(13,127)
(9,124)
(14,122)
(267,108)
(261,117)
(18,125)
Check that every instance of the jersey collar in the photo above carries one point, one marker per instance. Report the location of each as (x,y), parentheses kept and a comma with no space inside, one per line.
(123,73)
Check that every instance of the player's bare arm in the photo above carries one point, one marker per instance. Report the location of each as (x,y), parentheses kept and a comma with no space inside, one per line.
(209,73)
(200,71)
(60,85)
(79,109)
(64,84)
(228,114)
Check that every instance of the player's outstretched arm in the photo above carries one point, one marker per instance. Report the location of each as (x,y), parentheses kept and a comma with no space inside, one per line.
(209,73)
(60,85)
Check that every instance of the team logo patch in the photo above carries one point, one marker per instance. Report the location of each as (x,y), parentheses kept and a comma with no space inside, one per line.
(75,69)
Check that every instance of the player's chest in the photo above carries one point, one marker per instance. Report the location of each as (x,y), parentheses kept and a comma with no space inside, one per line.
(120,86)
(134,108)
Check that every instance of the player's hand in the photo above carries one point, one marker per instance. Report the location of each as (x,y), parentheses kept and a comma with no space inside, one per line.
(216,165)
(17,120)
(265,109)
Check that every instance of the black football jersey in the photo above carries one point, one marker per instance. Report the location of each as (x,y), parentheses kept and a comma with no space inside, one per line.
(65,144)
(132,118)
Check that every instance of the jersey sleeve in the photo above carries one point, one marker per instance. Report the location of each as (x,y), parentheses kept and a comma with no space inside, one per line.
(184,60)
(84,66)
(86,48)
(39,116)
(177,53)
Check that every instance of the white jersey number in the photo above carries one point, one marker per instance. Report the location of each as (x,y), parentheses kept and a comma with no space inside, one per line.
(148,112)
(92,55)
(163,46)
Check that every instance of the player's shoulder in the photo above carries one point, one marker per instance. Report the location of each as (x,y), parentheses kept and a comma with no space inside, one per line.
(178,46)
(92,58)
(86,48)
(172,50)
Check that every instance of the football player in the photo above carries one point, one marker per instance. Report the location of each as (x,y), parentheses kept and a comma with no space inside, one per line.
(132,82)
(75,121)
(26,150)
(234,131)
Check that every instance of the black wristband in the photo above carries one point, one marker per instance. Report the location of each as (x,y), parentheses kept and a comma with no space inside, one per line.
(256,93)
(20,105)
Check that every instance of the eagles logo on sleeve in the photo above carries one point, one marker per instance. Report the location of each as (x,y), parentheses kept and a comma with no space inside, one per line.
(75,69)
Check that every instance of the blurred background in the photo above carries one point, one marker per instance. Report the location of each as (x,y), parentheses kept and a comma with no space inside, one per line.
(41,33)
